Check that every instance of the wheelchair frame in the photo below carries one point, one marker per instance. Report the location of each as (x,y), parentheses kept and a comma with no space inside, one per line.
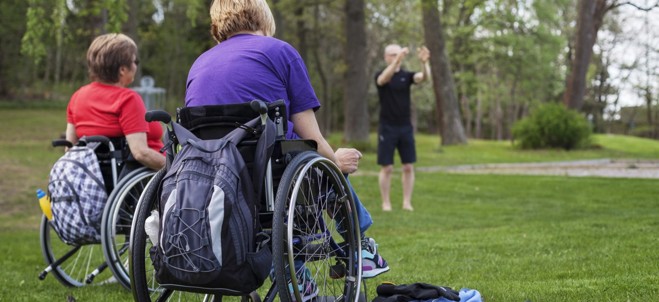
(314,227)
(80,265)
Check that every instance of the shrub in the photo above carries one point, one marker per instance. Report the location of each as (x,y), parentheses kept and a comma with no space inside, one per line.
(552,126)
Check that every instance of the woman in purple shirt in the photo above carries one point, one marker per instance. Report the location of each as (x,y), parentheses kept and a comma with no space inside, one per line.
(247,64)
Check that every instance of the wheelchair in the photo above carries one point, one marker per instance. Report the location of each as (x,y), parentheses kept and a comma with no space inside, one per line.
(81,265)
(307,210)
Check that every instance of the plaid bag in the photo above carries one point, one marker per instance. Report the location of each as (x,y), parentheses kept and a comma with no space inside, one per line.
(78,196)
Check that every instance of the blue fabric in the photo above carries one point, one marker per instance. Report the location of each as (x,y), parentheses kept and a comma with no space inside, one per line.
(466,295)
(365,220)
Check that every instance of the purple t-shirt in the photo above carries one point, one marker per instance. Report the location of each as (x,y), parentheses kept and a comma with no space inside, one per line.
(247,67)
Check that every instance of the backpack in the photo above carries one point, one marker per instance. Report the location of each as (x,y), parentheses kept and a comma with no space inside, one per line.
(210,235)
(78,196)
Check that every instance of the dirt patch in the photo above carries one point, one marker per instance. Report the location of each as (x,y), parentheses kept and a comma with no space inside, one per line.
(584,168)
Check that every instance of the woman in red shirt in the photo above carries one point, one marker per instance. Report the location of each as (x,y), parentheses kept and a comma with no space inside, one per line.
(107,107)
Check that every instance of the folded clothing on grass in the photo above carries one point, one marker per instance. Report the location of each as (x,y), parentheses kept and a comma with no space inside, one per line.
(423,292)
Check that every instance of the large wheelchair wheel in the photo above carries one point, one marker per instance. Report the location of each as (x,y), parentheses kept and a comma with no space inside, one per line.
(144,286)
(73,266)
(117,219)
(316,238)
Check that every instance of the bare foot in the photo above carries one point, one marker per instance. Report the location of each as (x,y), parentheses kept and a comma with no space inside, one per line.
(386,208)
(408,208)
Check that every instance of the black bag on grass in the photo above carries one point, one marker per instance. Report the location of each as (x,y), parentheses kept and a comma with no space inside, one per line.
(388,292)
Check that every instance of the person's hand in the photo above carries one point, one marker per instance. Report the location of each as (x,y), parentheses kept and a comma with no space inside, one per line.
(423,53)
(348,159)
(401,55)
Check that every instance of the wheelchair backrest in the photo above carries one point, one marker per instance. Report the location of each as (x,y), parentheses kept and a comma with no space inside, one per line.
(215,121)
(121,154)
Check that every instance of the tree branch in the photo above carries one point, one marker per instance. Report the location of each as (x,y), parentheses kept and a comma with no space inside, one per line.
(647,9)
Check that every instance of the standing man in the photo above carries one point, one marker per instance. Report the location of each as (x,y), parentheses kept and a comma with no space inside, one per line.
(396,131)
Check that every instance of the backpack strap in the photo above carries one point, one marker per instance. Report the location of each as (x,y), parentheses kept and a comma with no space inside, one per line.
(264,148)
(264,145)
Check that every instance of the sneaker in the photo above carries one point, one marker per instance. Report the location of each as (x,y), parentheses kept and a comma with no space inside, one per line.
(372,263)
(306,286)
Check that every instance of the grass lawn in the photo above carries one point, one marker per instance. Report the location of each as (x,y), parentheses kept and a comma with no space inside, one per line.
(513,238)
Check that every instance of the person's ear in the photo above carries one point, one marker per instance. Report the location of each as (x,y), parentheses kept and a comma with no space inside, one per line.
(123,70)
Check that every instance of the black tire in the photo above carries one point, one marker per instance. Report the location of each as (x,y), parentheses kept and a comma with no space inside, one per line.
(117,220)
(82,261)
(306,224)
(141,272)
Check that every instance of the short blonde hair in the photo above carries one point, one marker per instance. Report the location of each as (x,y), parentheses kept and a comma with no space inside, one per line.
(107,54)
(229,17)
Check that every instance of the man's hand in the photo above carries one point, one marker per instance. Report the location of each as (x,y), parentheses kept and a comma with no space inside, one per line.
(348,159)
(401,55)
(423,53)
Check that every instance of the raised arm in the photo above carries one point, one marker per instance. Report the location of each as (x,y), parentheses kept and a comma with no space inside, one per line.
(394,66)
(424,56)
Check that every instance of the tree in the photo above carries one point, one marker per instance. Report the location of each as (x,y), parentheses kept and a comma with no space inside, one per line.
(448,111)
(589,20)
(12,26)
(356,124)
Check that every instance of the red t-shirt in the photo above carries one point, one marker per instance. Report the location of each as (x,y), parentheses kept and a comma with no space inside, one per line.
(112,111)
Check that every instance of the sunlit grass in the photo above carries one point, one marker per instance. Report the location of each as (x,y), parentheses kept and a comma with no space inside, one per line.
(513,238)
(431,153)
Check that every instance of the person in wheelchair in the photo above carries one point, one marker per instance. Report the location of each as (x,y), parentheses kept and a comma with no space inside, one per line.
(107,107)
(248,64)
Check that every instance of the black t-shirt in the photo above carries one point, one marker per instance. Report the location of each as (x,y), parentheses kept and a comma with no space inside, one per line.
(395,98)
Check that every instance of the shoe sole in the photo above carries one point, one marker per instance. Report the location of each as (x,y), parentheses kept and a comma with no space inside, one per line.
(308,297)
(374,272)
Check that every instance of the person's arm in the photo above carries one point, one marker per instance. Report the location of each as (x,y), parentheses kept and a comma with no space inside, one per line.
(71,133)
(142,153)
(389,72)
(306,126)
(424,56)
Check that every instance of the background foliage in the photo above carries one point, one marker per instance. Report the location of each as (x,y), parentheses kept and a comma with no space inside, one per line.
(552,126)
(505,55)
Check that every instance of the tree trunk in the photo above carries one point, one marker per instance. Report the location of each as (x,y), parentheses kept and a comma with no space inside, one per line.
(451,129)
(132,24)
(301,32)
(279,20)
(324,115)
(589,20)
(356,124)
(648,105)
(479,119)
(467,114)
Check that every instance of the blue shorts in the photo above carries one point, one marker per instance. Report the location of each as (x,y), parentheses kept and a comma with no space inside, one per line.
(391,138)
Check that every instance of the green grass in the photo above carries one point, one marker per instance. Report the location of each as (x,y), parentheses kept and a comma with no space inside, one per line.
(430,153)
(513,238)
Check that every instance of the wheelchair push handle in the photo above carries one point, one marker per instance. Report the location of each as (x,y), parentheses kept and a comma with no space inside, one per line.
(62,143)
(259,106)
(158,115)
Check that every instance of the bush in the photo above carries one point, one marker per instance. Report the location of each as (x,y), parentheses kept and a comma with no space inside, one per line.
(552,126)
